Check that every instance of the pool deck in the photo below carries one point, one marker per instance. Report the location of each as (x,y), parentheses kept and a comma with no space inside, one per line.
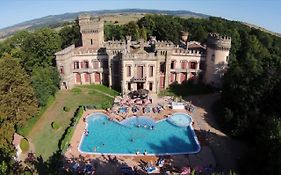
(204,157)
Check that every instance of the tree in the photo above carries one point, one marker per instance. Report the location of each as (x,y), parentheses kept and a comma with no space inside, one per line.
(17,104)
(143,33)
(132,29)
(70,35)
(45,82)
(39,49)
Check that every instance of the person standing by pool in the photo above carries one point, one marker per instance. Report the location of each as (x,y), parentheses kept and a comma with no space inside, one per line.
(145,152)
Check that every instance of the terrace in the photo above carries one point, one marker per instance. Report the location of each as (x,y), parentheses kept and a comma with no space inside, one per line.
(163,108)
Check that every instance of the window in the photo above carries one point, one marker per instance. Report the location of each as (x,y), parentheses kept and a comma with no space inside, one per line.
(96,64)
(129,86)
(151,71)
(129,73)
(86,64)
(61,70)
(193,65)
(184,64)
(150,86)
(91,41)
(87,77)
(76,65)
(172,64)
(78,78)
(162,67)
(140,72)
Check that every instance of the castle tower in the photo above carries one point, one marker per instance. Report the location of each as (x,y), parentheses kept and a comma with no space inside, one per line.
(128,43)
(92,31)
(184,38)
(218,48)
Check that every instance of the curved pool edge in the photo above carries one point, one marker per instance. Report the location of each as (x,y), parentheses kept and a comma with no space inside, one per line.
(148,154)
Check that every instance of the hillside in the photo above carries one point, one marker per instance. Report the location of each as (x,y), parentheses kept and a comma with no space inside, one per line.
(58,20)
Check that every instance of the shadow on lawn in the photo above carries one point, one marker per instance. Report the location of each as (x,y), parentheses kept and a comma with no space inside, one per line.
(187,88)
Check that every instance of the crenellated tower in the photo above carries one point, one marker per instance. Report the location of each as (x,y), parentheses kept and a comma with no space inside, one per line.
(218,48)
(91,29)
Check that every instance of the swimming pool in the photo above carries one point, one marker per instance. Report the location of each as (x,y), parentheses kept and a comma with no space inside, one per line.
(170,136)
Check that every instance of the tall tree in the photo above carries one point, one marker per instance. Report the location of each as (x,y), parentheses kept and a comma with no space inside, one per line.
(45,82)
(39,48)
(70,35)
(17,103)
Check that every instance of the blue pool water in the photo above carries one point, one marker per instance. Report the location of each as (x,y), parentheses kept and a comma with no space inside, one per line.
(139,134)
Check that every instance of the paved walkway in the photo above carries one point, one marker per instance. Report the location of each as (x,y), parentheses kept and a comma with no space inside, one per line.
(225,149)
(219,149)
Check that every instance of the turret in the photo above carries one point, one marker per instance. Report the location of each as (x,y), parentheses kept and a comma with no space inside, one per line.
(218,48)
(128,43)
(184,38)
(92,30)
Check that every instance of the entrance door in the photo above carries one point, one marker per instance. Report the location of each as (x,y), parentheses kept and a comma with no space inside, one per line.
(64,85)
(139,86)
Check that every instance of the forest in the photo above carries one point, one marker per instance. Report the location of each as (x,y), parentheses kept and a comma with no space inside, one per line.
(250,104)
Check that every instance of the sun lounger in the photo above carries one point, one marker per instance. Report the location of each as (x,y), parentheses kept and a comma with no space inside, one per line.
(151,169)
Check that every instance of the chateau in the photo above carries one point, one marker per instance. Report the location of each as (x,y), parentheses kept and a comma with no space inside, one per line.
(131,65)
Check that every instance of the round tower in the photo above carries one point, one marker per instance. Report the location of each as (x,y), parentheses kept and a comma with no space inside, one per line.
(184,38)
(92,30)
(218,48)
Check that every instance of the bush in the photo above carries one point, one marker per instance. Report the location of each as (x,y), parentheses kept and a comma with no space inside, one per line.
(24,145)
(68,132)
(66,109)
(55,125)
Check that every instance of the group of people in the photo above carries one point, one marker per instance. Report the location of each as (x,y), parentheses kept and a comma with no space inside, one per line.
(144,153)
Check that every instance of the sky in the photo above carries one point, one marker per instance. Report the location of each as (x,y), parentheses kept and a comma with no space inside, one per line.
(264,13)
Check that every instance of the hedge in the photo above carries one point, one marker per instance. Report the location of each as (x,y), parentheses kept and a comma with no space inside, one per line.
(68,132)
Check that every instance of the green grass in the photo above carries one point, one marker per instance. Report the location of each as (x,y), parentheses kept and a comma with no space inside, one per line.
(31,122)
(42,133)
(101,88)
(186,89)
(76,90)
(24,145)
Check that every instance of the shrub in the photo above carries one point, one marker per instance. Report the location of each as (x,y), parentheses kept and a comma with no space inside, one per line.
(68,132)
(55,125)
(66,109)
(24,145)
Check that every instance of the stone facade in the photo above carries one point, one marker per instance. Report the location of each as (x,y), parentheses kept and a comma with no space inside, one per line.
(131,65)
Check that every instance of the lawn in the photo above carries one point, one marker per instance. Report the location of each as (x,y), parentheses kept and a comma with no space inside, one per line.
(43,136)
